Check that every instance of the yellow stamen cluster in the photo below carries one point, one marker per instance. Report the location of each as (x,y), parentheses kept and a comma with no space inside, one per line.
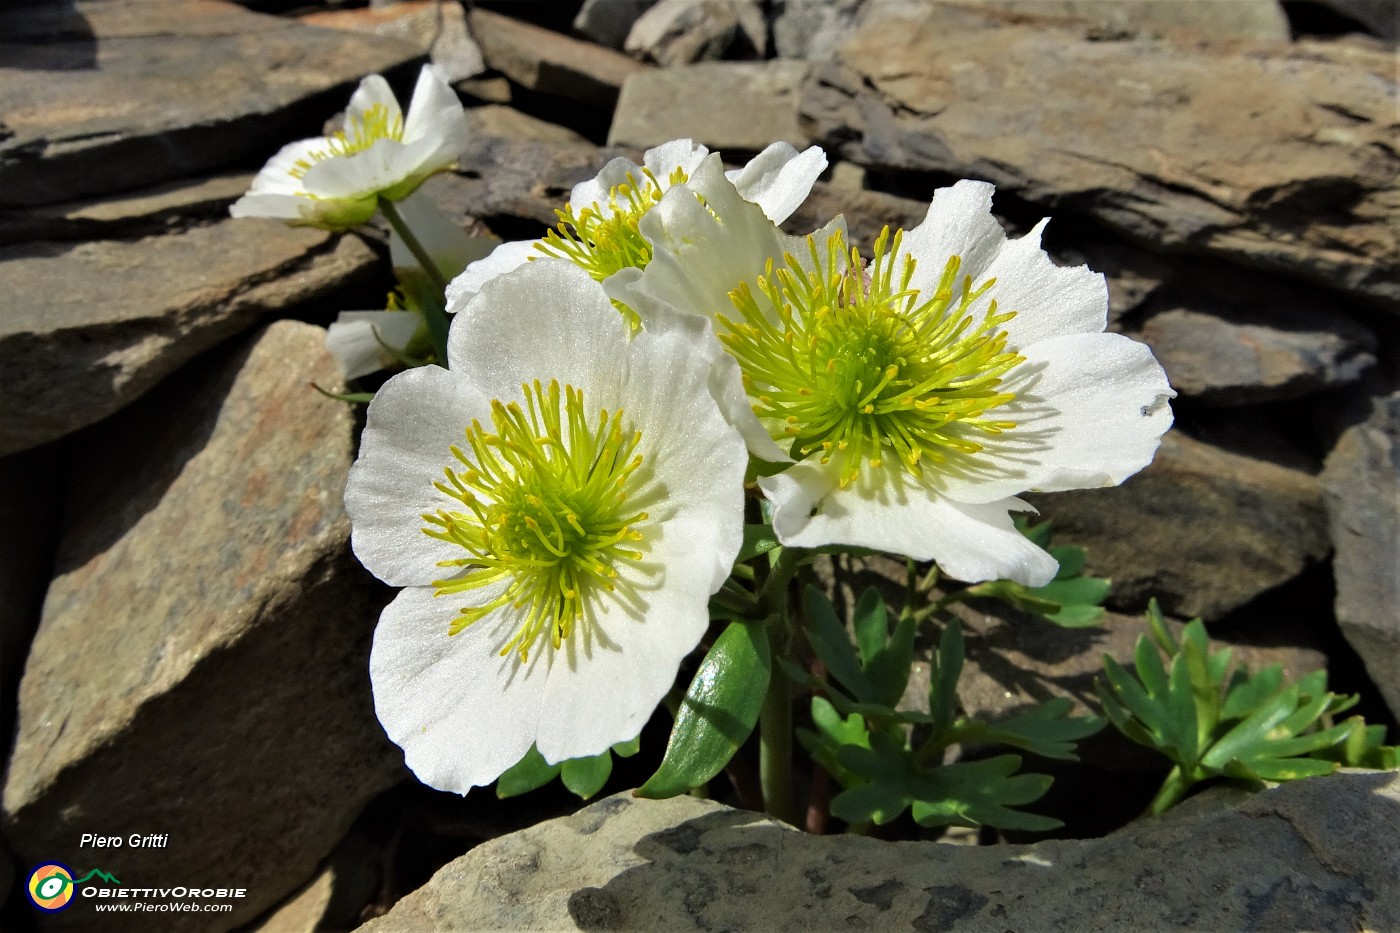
(361,132)
(544,498)
(605,242)
(851,364)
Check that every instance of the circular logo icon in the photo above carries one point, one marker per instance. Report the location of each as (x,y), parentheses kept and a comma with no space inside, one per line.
(51,887)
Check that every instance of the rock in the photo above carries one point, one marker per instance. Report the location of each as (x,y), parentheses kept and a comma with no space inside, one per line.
(109,96)
(679,32)
(94,325)
(200,670)
(544,61)
(336,897)
(304,911)
(666,104)
(485,90)
(1241,357)
(812,29)
(505,181)
(1318,854)
(1202,529)
(504,123)
(608,22)
(1361,482)
(1237,19)
(151,210)
(437,28)
(1166,152)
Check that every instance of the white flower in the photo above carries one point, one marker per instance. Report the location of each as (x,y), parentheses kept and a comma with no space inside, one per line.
(921,393)
(336,182)
(598,229)
(364,342)
(559,504)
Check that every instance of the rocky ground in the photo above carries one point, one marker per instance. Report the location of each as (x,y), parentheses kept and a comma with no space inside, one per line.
(183,634)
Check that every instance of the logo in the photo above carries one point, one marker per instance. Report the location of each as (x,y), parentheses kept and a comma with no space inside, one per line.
(51,885)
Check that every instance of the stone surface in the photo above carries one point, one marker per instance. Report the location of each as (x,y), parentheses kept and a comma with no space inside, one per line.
(500,122)
(1203,529)
(201,666)
(91,326)
(304,911)
(666,104)
(1361,482)
(550,63)
(1315,855)
(812,29)
(142,212)
(681,32)
(437,28)
(1238,358)
(1234,19)
(1167,151)
(608,22)
(109,96)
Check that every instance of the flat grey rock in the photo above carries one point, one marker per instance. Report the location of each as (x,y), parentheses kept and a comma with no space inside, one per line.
(1167,152)
(1361,481)
(1317,855)
(438,28)
(697,102)
(201,667)
(550,63)
(1203,529)
(1239,358)
(91,326)
(607,22)
(681,32)
(109,96)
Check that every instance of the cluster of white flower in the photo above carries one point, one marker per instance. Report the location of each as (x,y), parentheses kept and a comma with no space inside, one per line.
(560,501)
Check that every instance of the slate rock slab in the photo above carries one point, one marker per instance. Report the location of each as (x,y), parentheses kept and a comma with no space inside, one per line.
(1170,150)
(1361,482)
(1240,358)
(1203,529)
(1313,855)
(200,669)
(668,103)
(91,326)
(108,96)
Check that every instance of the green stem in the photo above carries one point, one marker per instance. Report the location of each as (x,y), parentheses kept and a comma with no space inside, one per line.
(775,719)
(1176,785)
(435,315)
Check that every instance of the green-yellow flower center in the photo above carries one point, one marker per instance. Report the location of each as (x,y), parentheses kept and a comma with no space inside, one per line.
(607,241)
(544,512)
(850,364)
(361,131)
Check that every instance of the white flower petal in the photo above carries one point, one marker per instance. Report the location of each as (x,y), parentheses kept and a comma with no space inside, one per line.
(279,206)
(779,178)
(959,223)
(358,339)
(548,320)
(373,92)
(276,177)
(1049,300)
(462,713)
(436,112)
(502,259)
(660,161)
(409,429)
(887,511)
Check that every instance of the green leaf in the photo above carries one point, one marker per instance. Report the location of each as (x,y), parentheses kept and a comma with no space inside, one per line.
(758,539)
(628,749)
(832,645)
(981,793)
(831,734)
(889,670)
(872,625)
(1071,561)
(1038,534)
(718,711)
(586,776)
(1249,694)
(1046,729)
(1015,594)
(943,677)
(529,773)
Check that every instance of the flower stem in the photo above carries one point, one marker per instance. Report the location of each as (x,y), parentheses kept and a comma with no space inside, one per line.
(435,315)
(1176,785)
(775,719)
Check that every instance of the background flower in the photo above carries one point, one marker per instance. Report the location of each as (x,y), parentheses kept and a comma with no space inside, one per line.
(336,181)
